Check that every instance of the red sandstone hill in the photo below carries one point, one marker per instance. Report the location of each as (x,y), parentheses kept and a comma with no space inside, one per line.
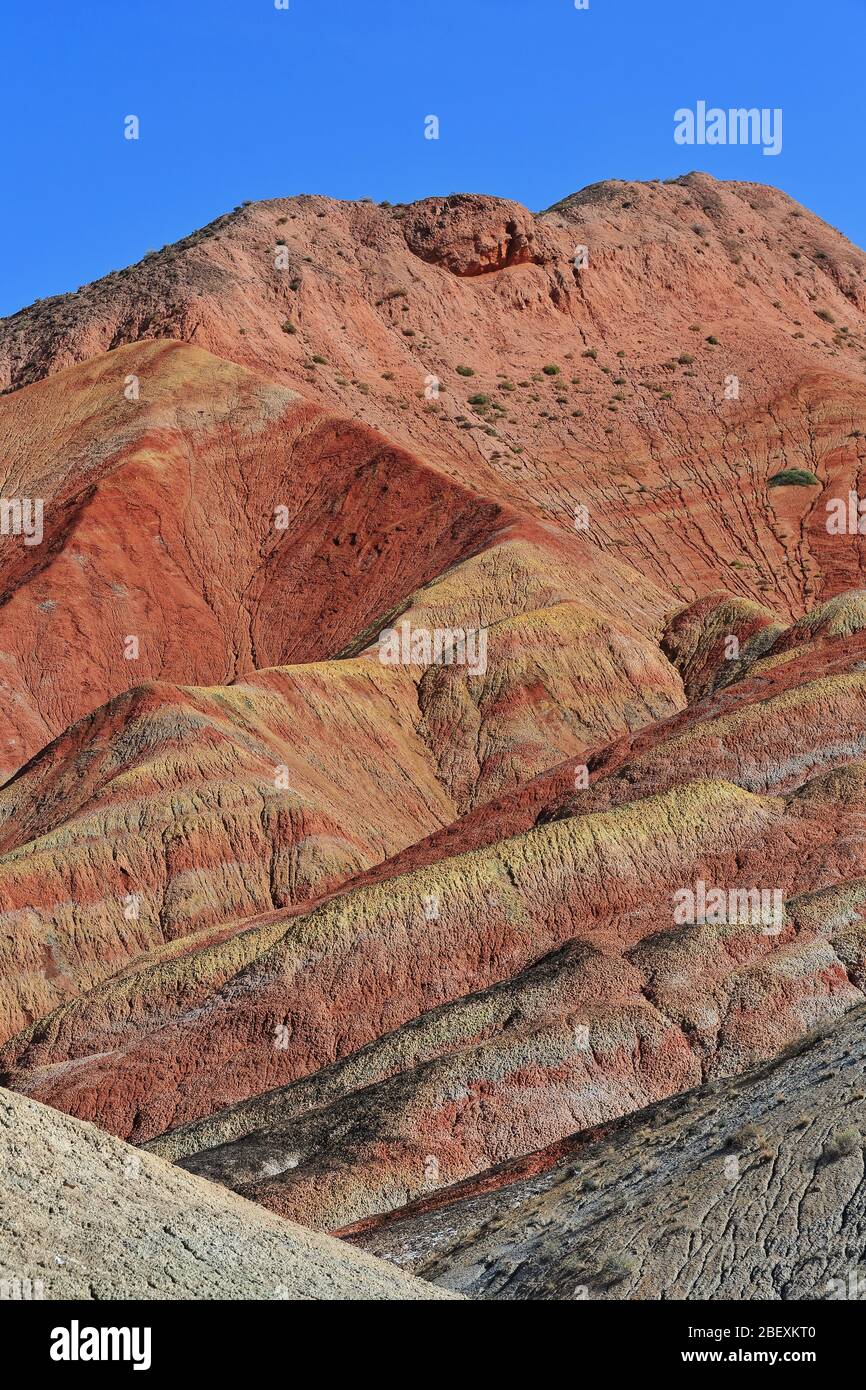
(339,934)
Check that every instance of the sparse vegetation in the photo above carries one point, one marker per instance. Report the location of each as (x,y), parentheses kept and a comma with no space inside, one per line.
(746,1137)
(615,1270)
(465,371)
(842,1144)
(794,477)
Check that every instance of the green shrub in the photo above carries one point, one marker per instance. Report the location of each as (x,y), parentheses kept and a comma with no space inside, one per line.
(794,477)
(615,1270)
(465,371)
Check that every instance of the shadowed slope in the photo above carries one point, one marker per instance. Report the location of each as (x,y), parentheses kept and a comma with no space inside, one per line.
(218,520)
(745,1189)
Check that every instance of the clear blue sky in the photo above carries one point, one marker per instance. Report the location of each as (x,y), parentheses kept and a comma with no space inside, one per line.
(239,100)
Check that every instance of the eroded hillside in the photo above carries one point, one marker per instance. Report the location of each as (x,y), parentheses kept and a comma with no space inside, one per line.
(345,927)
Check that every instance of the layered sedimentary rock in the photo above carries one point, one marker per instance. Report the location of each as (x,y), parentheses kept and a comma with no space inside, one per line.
(338,926)
(173,810)
(744,1189)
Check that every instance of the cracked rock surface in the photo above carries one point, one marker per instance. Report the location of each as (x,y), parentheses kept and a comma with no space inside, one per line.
(750,1188)
(85,1216)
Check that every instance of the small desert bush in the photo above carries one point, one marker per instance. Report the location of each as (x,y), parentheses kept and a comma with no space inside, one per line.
(841,1144)
(746,1137)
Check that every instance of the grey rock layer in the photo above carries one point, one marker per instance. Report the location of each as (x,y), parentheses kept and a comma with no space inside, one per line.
(85,1216)
(747,1188)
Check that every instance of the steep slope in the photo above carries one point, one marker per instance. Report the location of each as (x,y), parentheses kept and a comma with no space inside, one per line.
(744,1189)
(84,1216)
(714,340)
(218,521)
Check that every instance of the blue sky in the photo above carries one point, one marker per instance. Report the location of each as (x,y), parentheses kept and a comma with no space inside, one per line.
(535,99)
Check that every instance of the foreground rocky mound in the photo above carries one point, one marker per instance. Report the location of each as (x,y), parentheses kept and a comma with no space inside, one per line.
(750,1188)
(84,1216)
